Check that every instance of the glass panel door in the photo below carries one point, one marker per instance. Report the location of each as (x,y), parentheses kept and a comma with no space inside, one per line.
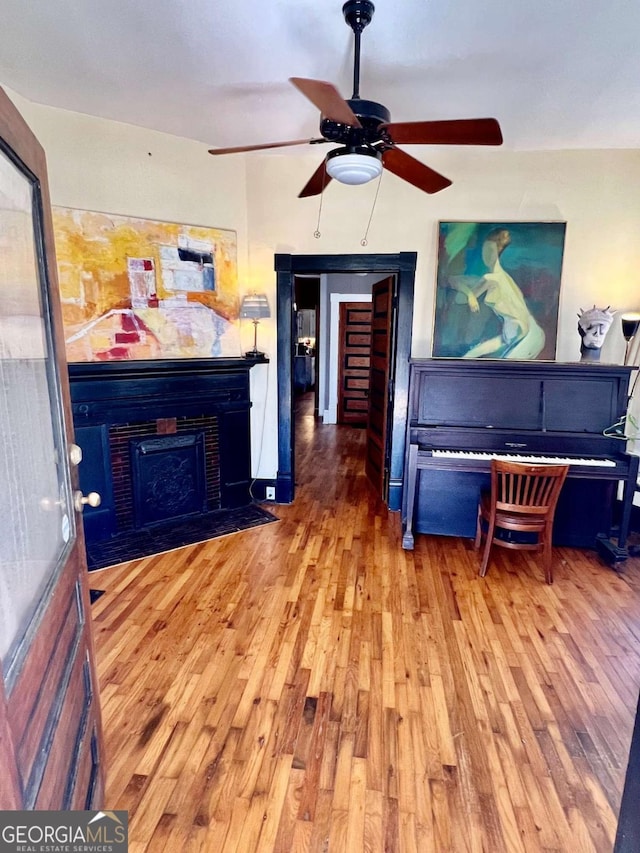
(38,526)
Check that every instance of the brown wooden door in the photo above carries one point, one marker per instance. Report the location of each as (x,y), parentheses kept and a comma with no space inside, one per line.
(382,347)
(50,735)
(354,362)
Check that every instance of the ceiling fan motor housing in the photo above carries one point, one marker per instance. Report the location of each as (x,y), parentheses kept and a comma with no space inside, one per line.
(370,114)
(358,13)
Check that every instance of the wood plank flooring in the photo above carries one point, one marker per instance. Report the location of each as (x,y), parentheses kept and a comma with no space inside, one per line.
(310,686)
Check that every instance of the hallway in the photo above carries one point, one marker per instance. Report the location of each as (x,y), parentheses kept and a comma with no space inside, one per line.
(308,685)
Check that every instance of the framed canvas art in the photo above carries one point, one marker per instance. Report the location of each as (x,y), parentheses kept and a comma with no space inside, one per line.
(139,288)
(498,289)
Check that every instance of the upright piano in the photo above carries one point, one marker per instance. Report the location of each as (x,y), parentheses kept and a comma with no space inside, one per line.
(464,412)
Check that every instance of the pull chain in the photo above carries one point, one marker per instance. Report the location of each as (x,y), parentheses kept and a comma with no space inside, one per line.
(317,233)
(364,241)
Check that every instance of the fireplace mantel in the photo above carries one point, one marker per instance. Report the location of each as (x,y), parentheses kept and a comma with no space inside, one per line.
(111,400)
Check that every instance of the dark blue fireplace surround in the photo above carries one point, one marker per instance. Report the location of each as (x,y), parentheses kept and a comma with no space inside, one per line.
(105,395)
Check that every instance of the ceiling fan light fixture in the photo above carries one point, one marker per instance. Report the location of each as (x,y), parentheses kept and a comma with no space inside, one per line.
(354,166)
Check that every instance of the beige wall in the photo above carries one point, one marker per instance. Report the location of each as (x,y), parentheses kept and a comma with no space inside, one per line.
(102,165)
(595,192)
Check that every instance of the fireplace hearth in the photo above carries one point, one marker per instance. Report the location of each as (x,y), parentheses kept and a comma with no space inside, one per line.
(158,538)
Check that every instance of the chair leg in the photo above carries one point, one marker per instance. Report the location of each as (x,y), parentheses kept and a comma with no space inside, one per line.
(547,552)
(487,549)
(478,540)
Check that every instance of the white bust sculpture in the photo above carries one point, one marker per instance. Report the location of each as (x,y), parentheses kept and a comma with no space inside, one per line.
(593,325)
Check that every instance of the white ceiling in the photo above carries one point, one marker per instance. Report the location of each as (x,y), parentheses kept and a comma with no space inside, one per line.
(555,73)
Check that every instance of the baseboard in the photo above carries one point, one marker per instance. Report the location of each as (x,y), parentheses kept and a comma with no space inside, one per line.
(395,495)
(284,488)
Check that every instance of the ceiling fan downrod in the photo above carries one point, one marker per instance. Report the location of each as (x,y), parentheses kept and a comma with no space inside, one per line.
(357,13)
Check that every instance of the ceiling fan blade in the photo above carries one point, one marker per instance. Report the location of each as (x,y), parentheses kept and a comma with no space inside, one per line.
(466,131)
(318,181)
(327,99)
(237,148)
(413,171)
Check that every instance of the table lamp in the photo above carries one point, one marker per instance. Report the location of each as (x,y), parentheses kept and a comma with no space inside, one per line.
(255,307)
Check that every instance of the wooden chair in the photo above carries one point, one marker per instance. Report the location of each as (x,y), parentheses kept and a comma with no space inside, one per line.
(522,498)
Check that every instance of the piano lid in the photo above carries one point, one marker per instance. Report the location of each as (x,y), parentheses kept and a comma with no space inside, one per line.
(546,397)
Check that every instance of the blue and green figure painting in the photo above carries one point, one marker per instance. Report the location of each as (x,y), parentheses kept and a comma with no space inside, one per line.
(498,289)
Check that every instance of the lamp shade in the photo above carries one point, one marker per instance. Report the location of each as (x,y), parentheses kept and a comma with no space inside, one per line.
(354,167)
(255,306)
(630,323)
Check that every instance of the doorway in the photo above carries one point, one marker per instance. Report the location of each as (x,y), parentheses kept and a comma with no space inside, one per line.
(402,267)
(306,342)
(354,363)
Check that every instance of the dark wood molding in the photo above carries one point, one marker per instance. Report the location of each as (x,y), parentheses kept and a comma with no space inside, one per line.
(159,367)
(403,266)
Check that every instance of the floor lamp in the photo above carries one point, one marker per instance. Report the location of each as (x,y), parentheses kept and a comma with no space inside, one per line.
(630,323)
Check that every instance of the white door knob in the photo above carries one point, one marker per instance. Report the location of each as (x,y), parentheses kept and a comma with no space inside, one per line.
(79,500)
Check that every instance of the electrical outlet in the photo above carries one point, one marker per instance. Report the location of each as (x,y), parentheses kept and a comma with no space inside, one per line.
(270,493)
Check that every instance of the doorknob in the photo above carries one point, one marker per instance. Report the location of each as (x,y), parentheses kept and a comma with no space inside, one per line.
(75,455)
(79,500)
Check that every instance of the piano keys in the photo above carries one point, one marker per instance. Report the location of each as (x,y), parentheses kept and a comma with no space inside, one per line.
(471,457)
(464,412)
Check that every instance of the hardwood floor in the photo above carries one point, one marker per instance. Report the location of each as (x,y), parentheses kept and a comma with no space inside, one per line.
(309,685)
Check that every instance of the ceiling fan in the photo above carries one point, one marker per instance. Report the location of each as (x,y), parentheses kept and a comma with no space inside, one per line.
(367,137)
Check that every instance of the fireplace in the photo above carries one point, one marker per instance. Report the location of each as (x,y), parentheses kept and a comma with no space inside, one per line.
(168,478)
(161,440)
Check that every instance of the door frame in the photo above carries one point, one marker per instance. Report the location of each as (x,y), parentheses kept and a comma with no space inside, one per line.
(403,266)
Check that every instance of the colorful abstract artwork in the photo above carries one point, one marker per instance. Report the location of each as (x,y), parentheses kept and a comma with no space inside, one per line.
(498,289)
(138,288)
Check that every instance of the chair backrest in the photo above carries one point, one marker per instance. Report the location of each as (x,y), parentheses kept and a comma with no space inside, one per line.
(522,488)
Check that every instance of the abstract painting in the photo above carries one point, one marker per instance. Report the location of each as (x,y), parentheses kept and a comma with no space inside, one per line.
(138,288)
(498,289)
